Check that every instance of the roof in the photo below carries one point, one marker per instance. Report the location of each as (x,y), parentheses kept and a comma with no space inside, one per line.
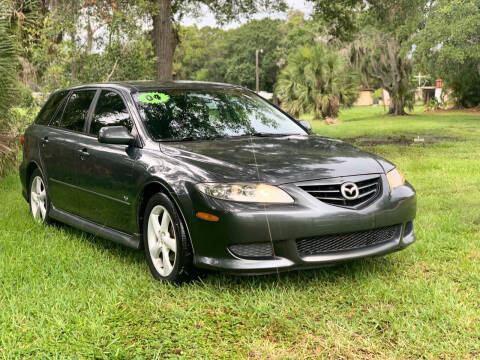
(148,85)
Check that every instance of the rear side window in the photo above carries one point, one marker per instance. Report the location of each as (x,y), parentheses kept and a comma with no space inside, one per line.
(76,111)
(48,110)
(110,111)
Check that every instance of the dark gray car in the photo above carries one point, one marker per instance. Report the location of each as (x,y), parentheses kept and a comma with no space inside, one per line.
(212,176)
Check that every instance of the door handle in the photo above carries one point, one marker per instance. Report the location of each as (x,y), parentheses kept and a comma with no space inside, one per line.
(83,153)
(44,140)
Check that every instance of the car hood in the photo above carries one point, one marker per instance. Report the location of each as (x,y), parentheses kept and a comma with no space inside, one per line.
(278,159)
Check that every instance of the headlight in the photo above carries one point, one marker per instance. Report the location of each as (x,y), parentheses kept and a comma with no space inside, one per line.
(255,193)
(395,178)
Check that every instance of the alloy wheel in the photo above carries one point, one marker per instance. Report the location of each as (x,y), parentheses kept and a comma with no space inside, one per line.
(162,242)
(38,199)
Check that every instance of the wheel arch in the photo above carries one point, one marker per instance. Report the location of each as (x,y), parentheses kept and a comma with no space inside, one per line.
(149,189)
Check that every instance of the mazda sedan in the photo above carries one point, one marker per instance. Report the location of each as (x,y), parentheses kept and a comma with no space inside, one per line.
(207,175)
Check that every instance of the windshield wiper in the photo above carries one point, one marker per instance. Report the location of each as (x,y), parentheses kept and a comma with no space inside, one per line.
(256,134)
(267,134)
(186,138)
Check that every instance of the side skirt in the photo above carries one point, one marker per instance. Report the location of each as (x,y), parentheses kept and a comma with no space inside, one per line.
(96,229)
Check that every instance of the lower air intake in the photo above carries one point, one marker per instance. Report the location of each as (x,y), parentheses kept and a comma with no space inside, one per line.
(254,250)
(348,241)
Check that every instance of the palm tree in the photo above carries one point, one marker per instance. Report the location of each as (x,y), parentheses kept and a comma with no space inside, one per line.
(7,73)
(287,88)
(317,80)
(7,95)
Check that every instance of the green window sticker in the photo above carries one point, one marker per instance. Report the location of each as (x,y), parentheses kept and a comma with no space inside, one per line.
(153,98)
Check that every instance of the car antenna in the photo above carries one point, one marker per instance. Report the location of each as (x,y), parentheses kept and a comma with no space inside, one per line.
(264,206)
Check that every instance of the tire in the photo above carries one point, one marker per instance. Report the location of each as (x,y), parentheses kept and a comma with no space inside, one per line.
(166,244)
(38,198)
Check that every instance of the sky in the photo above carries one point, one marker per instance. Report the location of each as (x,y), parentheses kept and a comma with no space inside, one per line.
(209,20)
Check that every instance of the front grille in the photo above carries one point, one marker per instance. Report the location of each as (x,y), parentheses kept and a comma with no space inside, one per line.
(254,250)
(329,192)
(348,241)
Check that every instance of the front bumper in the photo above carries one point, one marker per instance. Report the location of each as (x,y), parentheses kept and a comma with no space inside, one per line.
(287,259)
(283,225)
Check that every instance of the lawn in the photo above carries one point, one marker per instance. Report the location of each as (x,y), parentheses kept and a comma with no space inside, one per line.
(67,294)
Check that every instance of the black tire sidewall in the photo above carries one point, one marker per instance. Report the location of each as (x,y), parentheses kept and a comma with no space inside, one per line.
(36,173)
(181,267)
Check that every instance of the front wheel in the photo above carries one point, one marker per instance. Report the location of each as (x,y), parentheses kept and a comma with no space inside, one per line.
(166,244)
(39,202)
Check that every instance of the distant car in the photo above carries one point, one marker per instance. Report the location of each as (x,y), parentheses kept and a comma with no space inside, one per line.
(207,175)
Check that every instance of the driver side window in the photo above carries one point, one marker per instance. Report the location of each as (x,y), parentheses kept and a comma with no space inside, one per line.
(110,111)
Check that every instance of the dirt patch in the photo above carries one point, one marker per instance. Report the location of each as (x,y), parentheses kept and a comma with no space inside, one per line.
(404,140)
(331,121)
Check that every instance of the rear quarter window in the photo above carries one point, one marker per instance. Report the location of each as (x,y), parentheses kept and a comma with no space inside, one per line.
(49,109)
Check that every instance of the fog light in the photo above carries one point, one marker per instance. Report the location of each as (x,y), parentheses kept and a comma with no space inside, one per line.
(207,216)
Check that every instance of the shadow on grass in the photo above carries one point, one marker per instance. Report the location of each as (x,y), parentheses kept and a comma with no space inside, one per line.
(132,256)
(352,271)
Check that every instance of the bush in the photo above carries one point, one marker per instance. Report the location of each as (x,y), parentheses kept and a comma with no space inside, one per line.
(377,96)
(25,98)
(8,152)
(433,104)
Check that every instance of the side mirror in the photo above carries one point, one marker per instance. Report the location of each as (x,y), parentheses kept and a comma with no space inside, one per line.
(115,135)
(305,124)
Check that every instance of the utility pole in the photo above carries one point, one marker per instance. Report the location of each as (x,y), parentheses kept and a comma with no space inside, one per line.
(257,79)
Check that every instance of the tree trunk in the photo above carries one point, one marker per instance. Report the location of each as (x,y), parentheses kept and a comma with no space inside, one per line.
(397,106)
(164,39)
(29,75)
(89,37)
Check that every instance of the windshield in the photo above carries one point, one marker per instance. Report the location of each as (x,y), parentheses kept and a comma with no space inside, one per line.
(191,115)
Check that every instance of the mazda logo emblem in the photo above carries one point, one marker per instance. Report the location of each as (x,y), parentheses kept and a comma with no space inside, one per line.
(349,191)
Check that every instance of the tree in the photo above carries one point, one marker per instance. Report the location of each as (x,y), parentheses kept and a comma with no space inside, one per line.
(236,54)
(229,55)
(198,50)
(297,32)
(387,45)
(379,59)
(341,15)
(165,32)
(80,41)
(449,47)
(317,79)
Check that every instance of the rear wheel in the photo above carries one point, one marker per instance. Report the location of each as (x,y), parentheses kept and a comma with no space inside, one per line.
(39,202)
(166,244)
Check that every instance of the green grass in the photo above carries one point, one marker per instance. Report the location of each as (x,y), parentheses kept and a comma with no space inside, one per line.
(66,294)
